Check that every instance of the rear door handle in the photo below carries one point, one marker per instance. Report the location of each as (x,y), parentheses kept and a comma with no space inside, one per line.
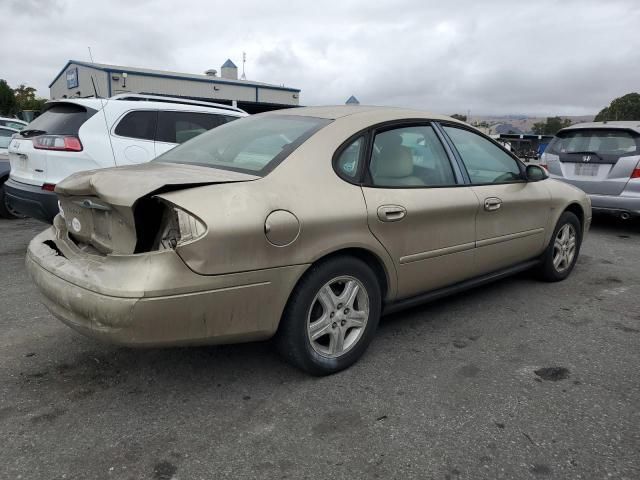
(391,213)
(492,203)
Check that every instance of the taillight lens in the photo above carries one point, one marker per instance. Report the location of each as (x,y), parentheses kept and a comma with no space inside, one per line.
(49,187)
(64,143)
(636,171)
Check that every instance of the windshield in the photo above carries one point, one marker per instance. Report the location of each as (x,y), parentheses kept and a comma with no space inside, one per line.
(600,141)
(253,145)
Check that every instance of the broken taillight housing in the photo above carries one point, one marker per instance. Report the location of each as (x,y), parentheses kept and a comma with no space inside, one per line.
(179,228)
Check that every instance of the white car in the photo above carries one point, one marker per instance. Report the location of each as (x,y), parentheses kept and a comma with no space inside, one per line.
(5,139)
(12,123)
(74,135)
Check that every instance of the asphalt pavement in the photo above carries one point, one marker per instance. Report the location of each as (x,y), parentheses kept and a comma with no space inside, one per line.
(518,379)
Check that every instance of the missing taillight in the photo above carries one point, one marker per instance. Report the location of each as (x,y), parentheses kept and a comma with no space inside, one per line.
(163,226)
(64,143)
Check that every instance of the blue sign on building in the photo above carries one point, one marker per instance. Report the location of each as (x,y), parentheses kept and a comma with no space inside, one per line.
(72,78)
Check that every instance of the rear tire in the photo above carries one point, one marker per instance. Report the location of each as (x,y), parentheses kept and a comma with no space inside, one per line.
(5,210)
(331,316)
(562,252)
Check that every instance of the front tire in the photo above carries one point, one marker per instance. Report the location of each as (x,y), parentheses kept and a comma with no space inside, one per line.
(331,317)
(562,252)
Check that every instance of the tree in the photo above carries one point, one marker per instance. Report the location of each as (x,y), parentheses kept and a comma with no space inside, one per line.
(626,107)
(550,126)
(457,116)
(8,104)
(26,98)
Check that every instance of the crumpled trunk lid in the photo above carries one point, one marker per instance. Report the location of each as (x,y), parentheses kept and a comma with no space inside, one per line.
(98,206)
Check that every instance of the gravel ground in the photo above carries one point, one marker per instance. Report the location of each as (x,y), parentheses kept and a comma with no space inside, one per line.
(446,391)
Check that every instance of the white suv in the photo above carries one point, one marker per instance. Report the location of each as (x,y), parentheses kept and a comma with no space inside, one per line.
(73,135)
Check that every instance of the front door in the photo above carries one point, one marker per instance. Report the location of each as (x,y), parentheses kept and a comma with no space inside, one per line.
(513,214)
(418,208)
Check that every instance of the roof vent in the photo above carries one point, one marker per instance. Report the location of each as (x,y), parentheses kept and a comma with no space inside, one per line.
(212,72)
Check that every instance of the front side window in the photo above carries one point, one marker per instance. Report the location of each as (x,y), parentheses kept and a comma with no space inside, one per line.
(410,157)
(140,124)
(178,127)
(484,161)
(250,144)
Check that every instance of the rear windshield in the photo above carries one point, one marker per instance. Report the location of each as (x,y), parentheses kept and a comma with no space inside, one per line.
(253,145)
(60,119)
(608,142)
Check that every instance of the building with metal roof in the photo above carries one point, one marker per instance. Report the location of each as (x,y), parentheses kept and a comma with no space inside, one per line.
(77,79)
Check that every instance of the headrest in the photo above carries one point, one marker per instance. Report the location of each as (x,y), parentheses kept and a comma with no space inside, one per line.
(394,162)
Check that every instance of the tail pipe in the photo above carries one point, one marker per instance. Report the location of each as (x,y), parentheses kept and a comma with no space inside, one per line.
(625,216)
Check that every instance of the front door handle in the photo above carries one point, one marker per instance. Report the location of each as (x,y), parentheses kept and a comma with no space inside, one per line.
(492,203)
(391,213)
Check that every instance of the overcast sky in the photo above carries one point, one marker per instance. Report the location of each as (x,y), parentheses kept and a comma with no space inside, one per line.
(490,57)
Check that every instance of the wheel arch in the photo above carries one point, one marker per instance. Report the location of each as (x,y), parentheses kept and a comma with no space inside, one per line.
(578,211)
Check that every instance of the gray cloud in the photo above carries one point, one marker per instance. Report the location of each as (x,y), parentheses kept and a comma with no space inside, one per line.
(540,57)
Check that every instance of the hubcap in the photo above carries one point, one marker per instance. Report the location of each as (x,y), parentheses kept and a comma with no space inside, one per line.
(564,248)
(338,316)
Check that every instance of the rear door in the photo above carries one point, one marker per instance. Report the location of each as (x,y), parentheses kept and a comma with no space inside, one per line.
(176,127)
(513,213)
(133,137)
(419,208)
(598,161)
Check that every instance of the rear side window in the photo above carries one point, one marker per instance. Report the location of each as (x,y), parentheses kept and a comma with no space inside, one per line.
(10,124)
(484,161)
(140,124)
(61,119)
(410,156)
(178,127)
(603,141)
(347,162)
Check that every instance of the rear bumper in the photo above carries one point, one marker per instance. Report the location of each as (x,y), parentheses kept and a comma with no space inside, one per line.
(31,200)
(155,300)
(616,203)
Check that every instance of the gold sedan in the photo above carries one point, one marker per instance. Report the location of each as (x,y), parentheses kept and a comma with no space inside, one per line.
(303,224)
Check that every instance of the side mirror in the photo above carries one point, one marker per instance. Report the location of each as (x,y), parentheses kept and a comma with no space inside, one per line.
(535,173)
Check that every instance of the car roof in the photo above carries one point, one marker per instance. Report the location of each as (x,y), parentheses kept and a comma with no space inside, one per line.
(17,120)
(615,124)
(334,112)
(98,103)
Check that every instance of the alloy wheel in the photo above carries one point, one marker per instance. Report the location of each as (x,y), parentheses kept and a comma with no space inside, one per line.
(338,316)
(564,248)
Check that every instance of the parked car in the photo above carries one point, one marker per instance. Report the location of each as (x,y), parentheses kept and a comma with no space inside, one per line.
(75,135)
(603,159)
(306,224)
(5,167)
(14,123)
